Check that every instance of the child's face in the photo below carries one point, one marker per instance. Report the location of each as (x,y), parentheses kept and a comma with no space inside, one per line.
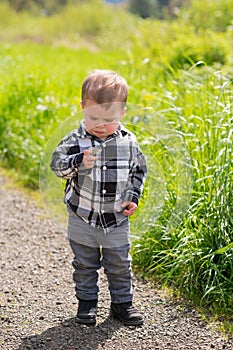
(99,121)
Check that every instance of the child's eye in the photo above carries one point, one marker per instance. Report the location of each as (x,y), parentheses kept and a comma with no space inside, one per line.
(92,117)
(109,120)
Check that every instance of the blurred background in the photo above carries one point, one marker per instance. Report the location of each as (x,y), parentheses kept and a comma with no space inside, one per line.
(177,58)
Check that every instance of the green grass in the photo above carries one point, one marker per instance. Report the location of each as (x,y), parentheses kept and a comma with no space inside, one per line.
(180,107)
(40,87)
(196,256)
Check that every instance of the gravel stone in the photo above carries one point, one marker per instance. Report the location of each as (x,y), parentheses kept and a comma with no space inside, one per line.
(38,306)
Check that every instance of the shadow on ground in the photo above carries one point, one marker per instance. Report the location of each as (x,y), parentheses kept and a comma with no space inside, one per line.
(69,335)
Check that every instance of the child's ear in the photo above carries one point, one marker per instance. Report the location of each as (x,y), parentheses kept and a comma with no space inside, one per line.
(123,112)
(81,104)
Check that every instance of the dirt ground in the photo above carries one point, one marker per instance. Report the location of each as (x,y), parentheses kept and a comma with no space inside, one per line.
(38,306)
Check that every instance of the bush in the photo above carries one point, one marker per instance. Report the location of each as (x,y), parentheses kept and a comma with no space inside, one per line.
(209,48)
(211,15)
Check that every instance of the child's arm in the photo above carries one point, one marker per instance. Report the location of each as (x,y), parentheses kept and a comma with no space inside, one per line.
(137,177)
(68,159)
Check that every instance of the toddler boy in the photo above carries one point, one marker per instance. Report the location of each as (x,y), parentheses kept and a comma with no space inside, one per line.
(105,172)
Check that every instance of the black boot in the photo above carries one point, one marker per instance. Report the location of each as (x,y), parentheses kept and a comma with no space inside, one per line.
(127,314)
(87,310)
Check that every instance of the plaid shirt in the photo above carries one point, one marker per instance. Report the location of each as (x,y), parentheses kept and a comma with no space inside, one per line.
(117,176)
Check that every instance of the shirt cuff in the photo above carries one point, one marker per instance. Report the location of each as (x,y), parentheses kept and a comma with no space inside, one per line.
(130,196)
(77,160)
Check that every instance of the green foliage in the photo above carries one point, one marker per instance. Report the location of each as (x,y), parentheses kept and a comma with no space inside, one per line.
(81,25)
(197,255)
(155,8)
(212,14)
(36,95)
(145,8)
(183,46)
(48,6)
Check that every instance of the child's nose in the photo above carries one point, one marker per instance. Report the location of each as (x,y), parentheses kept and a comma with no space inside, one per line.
(101,125)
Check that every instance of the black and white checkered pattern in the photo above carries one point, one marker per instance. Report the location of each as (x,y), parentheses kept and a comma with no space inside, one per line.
(118,175)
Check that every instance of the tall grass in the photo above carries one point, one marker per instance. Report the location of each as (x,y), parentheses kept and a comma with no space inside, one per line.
(196,256)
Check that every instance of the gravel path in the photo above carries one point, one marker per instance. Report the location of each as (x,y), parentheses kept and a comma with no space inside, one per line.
(38,307)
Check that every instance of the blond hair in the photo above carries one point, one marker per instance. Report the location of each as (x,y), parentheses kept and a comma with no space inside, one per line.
(104,86)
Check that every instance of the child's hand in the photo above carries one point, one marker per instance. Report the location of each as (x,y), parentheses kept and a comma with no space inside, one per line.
(88,159)
(130,208)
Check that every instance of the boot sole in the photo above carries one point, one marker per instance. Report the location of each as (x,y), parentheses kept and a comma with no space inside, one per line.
(126,322)
(86,321)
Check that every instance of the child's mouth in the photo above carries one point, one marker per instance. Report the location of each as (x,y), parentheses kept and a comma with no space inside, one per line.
(99,132)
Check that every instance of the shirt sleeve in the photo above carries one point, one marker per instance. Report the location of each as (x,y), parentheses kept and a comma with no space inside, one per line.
(67,157)
(137,177)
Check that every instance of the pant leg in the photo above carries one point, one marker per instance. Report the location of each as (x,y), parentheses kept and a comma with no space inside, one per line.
(86,263)
(117,267)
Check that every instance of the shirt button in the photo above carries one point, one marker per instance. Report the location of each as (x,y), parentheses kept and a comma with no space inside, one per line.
(104,167)
(102,211)
(104,191)
(104,145)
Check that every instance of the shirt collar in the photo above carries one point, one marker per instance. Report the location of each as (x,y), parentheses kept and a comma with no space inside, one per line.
(84,133)
(82,130)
